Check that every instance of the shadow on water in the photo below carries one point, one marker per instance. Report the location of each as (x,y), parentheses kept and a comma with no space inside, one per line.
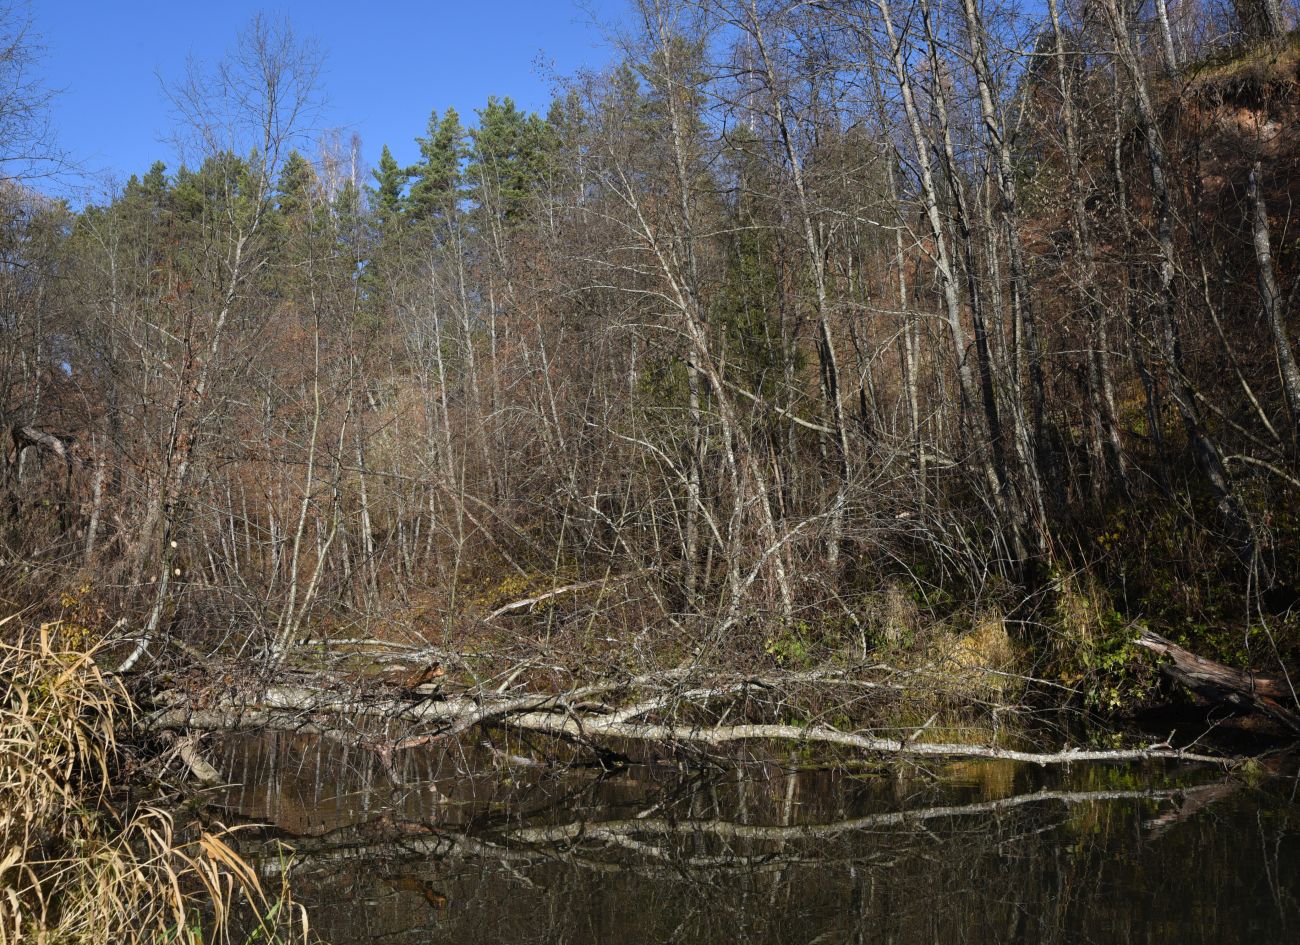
(471,845)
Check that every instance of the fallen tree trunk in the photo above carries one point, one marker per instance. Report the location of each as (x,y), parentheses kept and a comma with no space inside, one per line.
(718,735)
(591,716)
(1242,689)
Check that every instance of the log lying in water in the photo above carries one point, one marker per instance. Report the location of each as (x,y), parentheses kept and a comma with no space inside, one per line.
(1242,689)
(595,716)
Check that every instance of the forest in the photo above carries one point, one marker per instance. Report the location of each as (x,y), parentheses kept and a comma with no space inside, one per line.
(799,328)
(936,352)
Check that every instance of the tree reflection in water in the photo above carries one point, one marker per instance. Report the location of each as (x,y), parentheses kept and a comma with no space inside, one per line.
(760,853)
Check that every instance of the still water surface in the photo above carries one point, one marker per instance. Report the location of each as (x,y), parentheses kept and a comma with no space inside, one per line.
(475,848)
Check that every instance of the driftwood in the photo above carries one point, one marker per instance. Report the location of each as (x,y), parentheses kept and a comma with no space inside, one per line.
(1253,692)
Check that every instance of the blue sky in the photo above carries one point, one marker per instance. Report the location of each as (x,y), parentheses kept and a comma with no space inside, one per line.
(388,63)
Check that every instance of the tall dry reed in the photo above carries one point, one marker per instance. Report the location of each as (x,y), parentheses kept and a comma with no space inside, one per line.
(77,863)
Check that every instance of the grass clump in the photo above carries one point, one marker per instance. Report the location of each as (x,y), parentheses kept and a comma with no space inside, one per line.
(79,865)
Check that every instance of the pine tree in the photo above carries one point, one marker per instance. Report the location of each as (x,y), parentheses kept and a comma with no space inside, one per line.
(436,178)
(386,197)
(154,185)
(507,159)
(223,192)
(295,186)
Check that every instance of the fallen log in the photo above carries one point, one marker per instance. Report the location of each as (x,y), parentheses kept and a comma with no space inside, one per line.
(1242,689)
(580,716)
(590,729)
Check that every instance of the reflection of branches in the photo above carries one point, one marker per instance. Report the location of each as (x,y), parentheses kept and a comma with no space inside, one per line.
(1191,802)
(569,841)
(310,853)
(648,853)
(611,830)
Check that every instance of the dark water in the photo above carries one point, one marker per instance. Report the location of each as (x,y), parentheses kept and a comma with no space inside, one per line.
(972,852)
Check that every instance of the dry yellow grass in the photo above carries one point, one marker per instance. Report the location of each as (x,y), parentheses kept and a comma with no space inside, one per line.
(980,661)
(75,867)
